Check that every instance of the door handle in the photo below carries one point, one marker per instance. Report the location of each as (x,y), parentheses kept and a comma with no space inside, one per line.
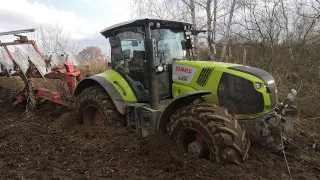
(123,91)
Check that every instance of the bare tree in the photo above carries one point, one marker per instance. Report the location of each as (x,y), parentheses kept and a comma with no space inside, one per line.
(162,9)
(52,38)
(286,23)
(92,53)
(209,26)
(214,28)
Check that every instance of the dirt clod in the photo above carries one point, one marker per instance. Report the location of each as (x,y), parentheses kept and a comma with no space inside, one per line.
(51,144)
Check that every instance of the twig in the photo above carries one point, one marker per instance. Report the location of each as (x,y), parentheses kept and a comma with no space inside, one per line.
(315,118)
(284,154)
(316,158)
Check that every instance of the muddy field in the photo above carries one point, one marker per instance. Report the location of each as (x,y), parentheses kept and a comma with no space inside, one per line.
(49,144)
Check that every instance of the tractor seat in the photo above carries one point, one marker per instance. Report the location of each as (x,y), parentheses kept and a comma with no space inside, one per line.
(137,87)
(140,92)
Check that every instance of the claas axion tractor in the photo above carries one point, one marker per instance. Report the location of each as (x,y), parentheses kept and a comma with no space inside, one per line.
(213,110)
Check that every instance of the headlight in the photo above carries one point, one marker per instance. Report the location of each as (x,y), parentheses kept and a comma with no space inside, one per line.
(258,85)
(160,68)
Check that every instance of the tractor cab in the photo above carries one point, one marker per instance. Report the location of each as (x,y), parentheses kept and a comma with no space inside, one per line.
(168,41)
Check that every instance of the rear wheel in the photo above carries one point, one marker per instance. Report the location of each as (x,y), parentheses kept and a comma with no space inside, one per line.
(208,131)
(95,108)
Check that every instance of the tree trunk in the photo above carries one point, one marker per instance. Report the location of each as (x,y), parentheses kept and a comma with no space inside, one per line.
(193,19)
(287,31)
(209,23)
(214,29)
(230,53)
(244,60)
(227,37)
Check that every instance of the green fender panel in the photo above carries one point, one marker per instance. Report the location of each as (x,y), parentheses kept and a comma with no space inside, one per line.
(115,85)
(180,101)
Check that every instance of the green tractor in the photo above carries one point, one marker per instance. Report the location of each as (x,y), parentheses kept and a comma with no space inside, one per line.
(213,110)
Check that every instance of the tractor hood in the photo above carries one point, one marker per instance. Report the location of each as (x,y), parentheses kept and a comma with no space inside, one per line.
(266,77)
(242,81)
(200,64)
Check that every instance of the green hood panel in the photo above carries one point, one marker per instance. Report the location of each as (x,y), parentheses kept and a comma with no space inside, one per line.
(201,64)
(206,75)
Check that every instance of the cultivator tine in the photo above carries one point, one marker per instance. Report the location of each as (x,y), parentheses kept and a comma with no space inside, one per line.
(6,61)
(21,60)
(38,62)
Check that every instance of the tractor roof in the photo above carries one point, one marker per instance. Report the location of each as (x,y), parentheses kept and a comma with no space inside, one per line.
(168,24)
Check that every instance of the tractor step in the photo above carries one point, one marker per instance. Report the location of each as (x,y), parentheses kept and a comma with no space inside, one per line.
(142,119)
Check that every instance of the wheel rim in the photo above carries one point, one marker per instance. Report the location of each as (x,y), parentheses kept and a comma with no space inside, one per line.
(94,117)
(194,143)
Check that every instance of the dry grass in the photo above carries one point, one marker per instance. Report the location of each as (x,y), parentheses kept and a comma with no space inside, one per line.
(92,68)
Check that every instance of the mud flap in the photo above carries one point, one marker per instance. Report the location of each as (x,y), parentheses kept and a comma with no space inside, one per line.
(142,119)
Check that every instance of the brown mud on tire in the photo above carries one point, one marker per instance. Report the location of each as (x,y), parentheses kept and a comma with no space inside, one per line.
(98,98)
(226,141)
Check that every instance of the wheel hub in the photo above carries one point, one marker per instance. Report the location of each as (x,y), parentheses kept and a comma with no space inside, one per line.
(94,117)
(198,149)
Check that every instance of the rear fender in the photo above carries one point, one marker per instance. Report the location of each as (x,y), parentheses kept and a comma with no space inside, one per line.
(108,86)
(182,100)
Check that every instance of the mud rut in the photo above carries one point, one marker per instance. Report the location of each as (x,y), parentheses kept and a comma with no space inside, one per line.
(51,145)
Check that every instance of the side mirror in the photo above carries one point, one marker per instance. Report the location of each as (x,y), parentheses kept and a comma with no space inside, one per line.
(189,44)
(183,44)
(116,49)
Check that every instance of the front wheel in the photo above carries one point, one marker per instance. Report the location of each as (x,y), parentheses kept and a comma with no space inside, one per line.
(208,131)
(95,108)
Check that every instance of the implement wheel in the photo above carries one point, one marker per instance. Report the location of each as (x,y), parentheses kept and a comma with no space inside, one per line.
(95,108)
(210,132)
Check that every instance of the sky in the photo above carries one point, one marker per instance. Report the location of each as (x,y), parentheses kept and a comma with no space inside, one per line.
(83,19)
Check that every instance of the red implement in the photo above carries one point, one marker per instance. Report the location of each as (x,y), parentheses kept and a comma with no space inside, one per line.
(65,73)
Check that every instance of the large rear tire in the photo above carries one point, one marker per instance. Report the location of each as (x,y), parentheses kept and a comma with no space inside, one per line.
(95,108)
(210,132)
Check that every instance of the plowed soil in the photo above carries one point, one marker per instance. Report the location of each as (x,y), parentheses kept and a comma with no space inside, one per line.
(50,144)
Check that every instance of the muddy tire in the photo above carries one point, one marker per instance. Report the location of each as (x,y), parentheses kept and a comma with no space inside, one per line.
(95,108)
(225,141)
